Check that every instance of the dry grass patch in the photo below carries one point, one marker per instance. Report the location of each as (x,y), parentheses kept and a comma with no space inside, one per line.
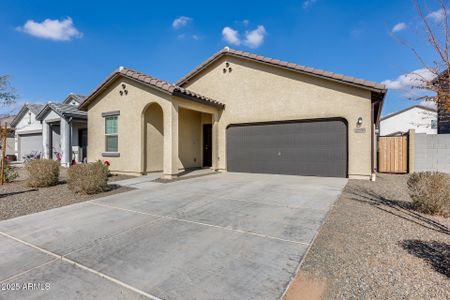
(430,192)
(42,172)
(88,178)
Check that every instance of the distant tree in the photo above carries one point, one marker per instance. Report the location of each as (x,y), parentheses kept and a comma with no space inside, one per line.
(439,39)
(434,76)
(7,93)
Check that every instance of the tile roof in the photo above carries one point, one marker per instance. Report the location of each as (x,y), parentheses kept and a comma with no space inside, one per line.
(34,108)
(63,110)
(78,98)
(373,86)
(153,82)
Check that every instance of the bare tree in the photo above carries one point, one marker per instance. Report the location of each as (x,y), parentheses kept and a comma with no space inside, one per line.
(434,81)
(7,93)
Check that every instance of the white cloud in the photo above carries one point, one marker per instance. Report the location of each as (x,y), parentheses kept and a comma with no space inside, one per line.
(437,16)
(231,36)
(308,3)
(429,104)
(181,22)
(406,81)
(57,30)
(184,36)
(399,27)
(254,38)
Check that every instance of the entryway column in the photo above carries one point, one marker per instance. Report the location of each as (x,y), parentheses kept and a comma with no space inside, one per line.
(46,132)
(66,149)
(170,168)
(215,141)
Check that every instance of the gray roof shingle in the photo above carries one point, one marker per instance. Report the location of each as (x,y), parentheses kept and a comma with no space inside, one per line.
(72,96)
(34,108)
(63,110)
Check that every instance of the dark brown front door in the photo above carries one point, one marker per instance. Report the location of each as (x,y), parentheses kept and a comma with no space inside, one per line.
(207,145)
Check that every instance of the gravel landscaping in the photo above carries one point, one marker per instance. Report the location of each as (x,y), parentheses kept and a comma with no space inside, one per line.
(375,245)
(17,199)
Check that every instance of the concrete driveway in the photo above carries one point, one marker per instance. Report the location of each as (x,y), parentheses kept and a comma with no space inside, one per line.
(223,236)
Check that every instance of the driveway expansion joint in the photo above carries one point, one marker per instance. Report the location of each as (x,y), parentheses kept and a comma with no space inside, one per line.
(203,224)
(81,266)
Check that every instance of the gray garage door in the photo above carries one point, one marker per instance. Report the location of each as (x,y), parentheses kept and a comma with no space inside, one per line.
(29,143)
(317,148)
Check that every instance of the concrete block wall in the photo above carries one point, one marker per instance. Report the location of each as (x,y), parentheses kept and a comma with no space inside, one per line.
(432,152)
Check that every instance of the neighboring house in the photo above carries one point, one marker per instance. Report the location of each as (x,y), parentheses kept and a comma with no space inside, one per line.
(420,118)
(239,112)
(10,147)
(64,134)
(28,131)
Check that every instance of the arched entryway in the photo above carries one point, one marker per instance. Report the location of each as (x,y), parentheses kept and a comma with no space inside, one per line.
(153,138)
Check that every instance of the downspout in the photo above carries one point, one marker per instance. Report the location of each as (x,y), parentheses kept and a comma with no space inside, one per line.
(372,137)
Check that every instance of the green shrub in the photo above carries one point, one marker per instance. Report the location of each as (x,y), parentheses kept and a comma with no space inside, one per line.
(10,173)
(42,172)
(88,178)
(430,192)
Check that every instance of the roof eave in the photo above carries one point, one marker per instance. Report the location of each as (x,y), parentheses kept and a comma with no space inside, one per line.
(98,90)
(116,74)
(41,115)
(222,53)
(198,100)
(19,116)
(408,108)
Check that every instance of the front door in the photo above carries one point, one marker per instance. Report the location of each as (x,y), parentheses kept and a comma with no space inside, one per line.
(207,145)
(82,141)
(55,142)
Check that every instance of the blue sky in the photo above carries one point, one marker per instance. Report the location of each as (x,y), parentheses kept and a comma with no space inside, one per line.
(82,42)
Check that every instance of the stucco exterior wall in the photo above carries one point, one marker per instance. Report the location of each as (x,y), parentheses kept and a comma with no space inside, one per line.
(154,145)
(253,92)
(131,156)
(189,148)
(415,118)
(28,123)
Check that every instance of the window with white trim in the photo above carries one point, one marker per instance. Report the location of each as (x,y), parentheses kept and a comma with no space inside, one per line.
(111,134)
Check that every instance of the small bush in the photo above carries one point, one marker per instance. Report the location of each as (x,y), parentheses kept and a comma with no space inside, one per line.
(430,192)
(88,178)
(10,173)
(42,172)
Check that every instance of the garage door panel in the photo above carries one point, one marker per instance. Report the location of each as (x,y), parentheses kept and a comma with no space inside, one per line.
(297,148)
(29,143)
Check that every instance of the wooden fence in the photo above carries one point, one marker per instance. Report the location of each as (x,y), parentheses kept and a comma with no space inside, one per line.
(393,154)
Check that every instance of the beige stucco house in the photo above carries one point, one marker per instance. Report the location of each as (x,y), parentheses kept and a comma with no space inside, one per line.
(240,112)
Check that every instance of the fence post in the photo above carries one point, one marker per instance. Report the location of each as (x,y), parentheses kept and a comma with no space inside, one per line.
(4,136)
(411,150)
